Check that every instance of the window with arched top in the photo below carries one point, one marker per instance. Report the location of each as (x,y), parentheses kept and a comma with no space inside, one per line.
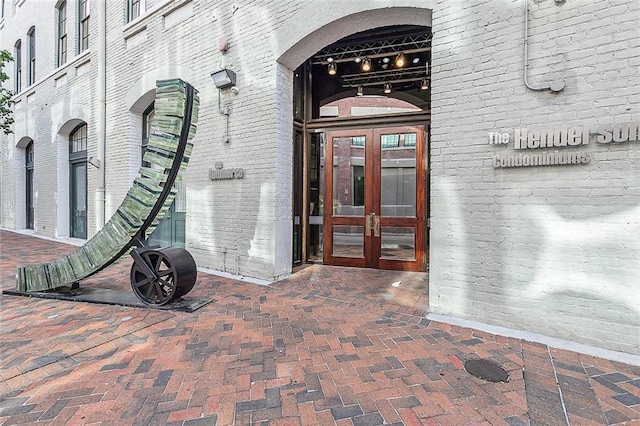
(62,33)
(83,25)
(30,193)
(17,56)
(31,36)
(147,118)
(78,181)
(135,8)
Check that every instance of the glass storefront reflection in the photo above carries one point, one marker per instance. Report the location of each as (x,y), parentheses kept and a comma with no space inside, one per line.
(348,241)
(398,243)
(398,175)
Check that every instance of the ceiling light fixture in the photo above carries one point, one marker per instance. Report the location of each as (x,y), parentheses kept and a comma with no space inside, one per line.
(357,60)
(360,91)
(416,60)
(332,68)
(425,84)
(387,88)
(366,64)
(400,60)
(385,60)
(329,59)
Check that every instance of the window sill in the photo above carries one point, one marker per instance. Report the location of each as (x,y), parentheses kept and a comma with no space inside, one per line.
(62,69)
(80,59)
(133,27)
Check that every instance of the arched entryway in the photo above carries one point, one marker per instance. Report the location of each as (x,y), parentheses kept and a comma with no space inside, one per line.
(361,120)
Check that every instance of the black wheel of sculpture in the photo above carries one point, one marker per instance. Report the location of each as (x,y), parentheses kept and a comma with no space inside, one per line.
(169,274)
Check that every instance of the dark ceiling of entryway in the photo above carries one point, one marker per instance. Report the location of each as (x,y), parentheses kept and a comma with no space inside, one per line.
(381,47)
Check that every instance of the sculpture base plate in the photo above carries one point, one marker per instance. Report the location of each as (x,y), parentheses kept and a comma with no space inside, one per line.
(111,297)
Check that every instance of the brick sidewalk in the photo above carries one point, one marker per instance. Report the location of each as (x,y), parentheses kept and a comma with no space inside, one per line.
(327,346)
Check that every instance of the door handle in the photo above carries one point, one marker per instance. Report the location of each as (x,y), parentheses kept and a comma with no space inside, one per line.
(376,225)
(372,223)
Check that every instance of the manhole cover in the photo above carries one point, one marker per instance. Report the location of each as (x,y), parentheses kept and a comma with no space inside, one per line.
(486,370)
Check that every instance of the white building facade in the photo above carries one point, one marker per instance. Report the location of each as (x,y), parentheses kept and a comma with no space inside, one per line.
(526,171)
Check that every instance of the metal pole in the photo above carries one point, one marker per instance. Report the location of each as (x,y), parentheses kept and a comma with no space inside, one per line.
(101,127)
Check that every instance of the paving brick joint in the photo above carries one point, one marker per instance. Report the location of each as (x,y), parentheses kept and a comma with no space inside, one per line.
(326,346)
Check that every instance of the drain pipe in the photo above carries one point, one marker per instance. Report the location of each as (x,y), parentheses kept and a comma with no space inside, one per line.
(101,121)
(555,86)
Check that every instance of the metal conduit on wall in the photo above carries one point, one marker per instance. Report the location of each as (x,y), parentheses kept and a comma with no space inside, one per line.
(554,86)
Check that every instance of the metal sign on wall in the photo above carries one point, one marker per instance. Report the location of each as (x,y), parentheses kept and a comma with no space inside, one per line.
(219,173)
(565,136)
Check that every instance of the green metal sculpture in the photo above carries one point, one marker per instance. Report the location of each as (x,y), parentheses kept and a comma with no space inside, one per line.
(158,276)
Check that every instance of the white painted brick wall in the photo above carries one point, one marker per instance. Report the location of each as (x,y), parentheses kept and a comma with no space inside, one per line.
(551,250)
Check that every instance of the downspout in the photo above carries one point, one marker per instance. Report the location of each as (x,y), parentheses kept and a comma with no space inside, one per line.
(101,129)
(555,86)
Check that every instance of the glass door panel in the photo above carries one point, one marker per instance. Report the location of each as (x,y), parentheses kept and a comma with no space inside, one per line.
(346,197)
(377,187)
(79,200)
(398,182)
(348,241)
(402,197)
(348,177)
(315,240)
(30,199)
(398,243)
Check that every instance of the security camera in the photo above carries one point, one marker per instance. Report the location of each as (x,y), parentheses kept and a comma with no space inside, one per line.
(235,90)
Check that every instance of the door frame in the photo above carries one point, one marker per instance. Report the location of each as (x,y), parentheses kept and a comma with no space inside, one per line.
(78,224)
(30,193)
(78,159)
(372,243)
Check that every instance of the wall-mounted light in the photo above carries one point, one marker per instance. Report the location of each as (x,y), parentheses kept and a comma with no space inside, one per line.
(387,88)
(333,68)
(224,78)
(400,60)
(95,162)
(366,64)
(360,91)
(425,84)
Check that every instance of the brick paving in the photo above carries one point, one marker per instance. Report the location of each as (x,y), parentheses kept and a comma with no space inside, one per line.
(327,346)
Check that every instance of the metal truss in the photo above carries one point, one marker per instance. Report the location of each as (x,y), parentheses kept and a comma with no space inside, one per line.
(374,49)
(375,78)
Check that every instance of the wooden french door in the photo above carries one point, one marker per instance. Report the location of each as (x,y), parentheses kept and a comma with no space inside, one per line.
(374,204)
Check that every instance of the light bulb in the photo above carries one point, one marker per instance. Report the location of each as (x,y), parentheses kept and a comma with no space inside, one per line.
(366,64)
